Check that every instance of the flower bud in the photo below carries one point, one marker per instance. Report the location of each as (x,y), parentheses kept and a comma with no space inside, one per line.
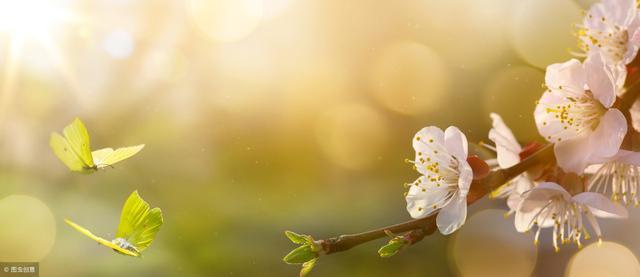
(392,247)
(300,255)
(306,267)
(296,238)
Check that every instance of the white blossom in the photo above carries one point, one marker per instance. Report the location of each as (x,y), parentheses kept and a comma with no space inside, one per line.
(508,151)
(611,28)
(507,147)
(441,158)
(550,205)
(576,113)
(619,177)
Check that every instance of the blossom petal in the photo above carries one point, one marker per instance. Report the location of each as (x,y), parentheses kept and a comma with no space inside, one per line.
(526,213)
(628,157)
(573,155)
(424,198)
(518,186)
(456,143)
(523,183)
(422,137)
(553,187)
(549,126)
(507,147)
(601,206)
(600,79)
(635,38)
(532,203)
(608,136)
(452,216)
(426,141)
(569,74)
(592,169)
(632,29)
(514,200)
(465,178)
(619,73)
(618,12)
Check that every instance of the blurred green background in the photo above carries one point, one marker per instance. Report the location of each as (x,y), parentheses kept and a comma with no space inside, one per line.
(261,116)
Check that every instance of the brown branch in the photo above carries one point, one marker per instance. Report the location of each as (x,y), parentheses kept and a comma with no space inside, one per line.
(426,226)
(624,105)
(417,229)
(629,97)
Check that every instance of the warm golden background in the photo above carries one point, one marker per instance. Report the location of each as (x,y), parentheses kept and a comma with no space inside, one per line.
(266,115)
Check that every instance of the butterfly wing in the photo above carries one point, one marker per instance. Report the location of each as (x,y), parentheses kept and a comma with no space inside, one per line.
(139,224)
(78,137)
(100,155)
(101,240)
(62,149)
(149,229)
(108,157)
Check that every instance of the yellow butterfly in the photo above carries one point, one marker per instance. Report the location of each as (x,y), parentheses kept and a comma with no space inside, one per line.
(138,227)
(74,150)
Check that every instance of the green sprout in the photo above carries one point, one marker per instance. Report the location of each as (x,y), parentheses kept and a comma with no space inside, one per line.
(306,254)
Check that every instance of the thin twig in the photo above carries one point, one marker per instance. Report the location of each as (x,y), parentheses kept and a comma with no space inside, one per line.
(427,225)
(417,229)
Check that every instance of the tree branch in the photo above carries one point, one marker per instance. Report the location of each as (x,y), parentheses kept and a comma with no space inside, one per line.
(629,97)
(417,229)
(426,226)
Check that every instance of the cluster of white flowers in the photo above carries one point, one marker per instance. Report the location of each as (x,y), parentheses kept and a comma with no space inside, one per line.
(579,114)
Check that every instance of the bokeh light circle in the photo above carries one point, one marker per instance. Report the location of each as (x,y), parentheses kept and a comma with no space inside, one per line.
(28,229)
(608,259)
(409,78)
(352,135)
(119,44)
(469,34)
(488,245)
(542,30)
(512,93)
(226,20)
(322,83)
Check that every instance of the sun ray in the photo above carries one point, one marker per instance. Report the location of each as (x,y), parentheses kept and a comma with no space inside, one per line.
(65,69)
(9,79)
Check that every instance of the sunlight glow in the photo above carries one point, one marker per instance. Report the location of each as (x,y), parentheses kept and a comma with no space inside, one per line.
(119,44)
(8,78)
(21,21)
(227,20)
(28,17)
(409,78)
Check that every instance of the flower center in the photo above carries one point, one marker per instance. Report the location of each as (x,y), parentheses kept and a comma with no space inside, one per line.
(442,168)
(613,42)
(581,114)
(566,219)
